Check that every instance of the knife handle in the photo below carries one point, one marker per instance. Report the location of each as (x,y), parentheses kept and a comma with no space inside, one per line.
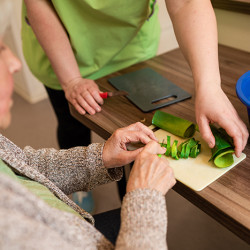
(104,95)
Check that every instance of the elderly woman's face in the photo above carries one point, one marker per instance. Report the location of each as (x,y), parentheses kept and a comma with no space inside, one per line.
(9,64)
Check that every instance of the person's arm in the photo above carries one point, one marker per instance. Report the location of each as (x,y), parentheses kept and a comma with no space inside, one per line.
(51,34)
(83,168)
(72,170)
(196,31)
(28,222)
(143,213)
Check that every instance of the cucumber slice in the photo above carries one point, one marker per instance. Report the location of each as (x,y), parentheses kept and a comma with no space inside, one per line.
(191,143)
(195,151)
(224,159)
(223,149)
(188,148)
(174,150)
(168,146)
(221,142)
(183,151)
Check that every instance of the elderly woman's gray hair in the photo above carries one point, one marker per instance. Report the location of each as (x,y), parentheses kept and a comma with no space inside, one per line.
(5,10)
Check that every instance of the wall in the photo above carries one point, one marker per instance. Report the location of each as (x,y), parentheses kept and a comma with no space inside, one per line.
(233,29)
(167,40)
(26,84)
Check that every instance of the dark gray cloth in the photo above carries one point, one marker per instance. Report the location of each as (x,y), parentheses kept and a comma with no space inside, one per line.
(108,223)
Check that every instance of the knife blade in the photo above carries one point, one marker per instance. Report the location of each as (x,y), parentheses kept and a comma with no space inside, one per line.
(105,95)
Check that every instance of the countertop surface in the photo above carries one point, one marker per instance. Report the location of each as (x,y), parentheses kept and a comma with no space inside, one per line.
(228,198)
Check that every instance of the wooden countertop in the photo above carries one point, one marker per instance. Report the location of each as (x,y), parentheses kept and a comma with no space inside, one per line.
(227,199)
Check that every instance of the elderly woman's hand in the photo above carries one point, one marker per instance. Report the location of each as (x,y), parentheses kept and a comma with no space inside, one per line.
(115,152)
(150,171)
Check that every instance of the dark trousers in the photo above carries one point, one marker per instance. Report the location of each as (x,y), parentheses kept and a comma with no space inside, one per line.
(108,224)
(70,132)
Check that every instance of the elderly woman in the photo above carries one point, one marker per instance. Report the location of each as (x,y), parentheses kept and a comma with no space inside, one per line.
(35,211)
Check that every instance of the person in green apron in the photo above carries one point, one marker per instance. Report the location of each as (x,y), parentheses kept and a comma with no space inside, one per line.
(89,40)
(87,47)
(69,44)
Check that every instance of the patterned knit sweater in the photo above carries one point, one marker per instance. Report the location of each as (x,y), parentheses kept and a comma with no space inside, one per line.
(27,222)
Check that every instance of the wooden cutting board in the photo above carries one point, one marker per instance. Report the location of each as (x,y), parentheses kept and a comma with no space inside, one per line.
(196,173)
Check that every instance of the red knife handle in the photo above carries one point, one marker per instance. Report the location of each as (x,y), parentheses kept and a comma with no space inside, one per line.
(104,95)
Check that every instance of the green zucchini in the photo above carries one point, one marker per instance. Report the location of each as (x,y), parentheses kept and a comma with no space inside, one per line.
(182,153)
(173,124)
(174,152)
(221,153)
(168,146)
(225,159)
(189,148)
(182,149)
(191,143)
(195,151)
(223,149)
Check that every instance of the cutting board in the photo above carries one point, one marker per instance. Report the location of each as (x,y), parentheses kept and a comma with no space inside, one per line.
(196,173)
(149,90)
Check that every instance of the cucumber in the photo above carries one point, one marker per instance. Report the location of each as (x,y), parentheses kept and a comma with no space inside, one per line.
(223,149)
(174,125)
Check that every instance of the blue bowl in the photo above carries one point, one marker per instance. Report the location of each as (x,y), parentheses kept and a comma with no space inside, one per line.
(243,91)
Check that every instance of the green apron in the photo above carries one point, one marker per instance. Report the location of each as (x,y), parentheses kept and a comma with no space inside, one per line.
(38,189)
(106,36)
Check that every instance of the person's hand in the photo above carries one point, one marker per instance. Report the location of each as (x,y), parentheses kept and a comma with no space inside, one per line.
(150,171)
(115,153)
(213,106)
(84,95)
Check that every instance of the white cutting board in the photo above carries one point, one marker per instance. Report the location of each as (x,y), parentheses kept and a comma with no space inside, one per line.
(199,172)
